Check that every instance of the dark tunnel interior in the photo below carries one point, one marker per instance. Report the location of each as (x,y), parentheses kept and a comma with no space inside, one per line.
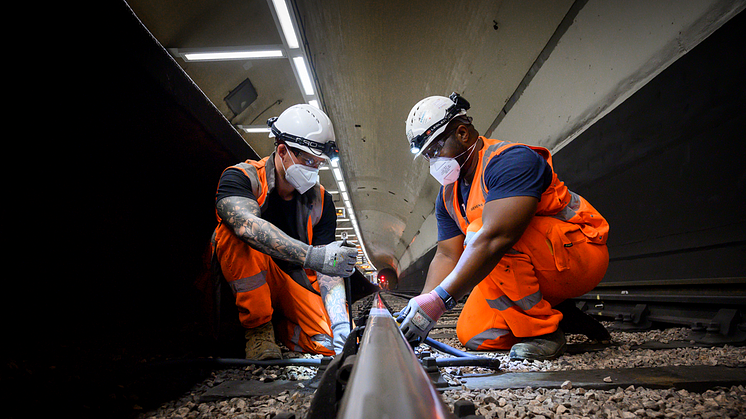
(114,250)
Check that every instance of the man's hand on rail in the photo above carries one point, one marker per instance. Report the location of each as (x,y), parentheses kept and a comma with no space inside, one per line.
(420,315)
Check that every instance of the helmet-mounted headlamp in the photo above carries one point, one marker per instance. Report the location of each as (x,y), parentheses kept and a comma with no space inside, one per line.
(459,104)
(328,148)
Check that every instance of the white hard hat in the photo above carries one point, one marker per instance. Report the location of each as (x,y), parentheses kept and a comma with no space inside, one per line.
(429,118)
(305,127)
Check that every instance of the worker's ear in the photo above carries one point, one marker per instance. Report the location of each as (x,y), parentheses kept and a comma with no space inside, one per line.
(282,150)
(462,134)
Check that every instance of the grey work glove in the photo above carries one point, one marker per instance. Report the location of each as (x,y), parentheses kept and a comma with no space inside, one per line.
(419,317)
(341,330)
(334,259)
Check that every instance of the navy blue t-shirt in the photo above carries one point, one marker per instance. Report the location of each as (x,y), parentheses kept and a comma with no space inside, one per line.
(518,171)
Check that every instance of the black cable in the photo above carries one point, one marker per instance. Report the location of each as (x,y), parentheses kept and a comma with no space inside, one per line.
(277,102)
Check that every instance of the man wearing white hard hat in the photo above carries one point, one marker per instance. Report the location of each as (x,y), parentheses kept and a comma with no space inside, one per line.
(510,233)
(275,241)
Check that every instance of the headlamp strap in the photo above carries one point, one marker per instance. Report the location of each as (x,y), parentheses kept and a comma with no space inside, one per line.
(329,148)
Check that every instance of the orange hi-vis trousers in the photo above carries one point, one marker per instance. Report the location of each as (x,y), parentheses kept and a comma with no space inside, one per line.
(262,290)
(551,262)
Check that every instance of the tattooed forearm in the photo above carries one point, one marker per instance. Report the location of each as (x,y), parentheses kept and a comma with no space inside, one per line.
(243,216)
(333,293)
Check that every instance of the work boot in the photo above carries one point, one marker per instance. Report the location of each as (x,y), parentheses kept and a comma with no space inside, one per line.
(540,348)
(575,321)
(260,343)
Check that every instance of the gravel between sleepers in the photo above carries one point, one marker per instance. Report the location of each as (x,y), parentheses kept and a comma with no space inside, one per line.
(528,402)
(568,402)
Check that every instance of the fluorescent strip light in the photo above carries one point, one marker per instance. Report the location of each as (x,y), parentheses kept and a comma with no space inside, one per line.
(303,74)
(283,15)
(254,128)
(345,197)
(231,55)
(337,174)
(335,163)
(342,186)
(314,102)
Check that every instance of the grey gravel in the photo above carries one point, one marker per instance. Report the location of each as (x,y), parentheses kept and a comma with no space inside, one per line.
(625,355)
(566,402)
(256,407)
(628,403)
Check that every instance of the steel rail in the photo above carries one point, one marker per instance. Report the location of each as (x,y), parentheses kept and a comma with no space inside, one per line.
(387,380)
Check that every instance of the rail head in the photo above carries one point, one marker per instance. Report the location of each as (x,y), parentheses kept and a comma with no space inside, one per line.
(387,379)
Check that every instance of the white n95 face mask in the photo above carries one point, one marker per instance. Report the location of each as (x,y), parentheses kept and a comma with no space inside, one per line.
(300,176)
(446,170)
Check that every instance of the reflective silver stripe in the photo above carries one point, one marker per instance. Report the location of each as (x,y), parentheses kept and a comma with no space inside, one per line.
(249,283)
(486,159)
(489,334)
(269,176)
(317,208)
(501,303)
(571,209)
(325,341)
(526,303)
(253,176)
(448,197)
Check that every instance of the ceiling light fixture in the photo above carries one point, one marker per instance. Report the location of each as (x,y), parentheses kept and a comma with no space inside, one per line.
(231,55)
(254,128)
(286,23)
(304,75)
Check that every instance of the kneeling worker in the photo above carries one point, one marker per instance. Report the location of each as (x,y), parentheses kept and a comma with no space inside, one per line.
(510,232)
(275,241)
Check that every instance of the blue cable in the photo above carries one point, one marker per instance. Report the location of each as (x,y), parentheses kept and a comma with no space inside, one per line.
(447,349)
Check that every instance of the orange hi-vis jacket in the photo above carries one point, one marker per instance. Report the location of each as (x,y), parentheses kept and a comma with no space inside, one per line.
(262,284)
(310,207)
(557,201)
(562,254)
(262,176)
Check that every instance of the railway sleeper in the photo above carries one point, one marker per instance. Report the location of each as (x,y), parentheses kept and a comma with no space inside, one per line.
(710,325)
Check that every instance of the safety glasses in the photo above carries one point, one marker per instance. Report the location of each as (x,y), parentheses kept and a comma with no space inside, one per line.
(434,149)
(307,160)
